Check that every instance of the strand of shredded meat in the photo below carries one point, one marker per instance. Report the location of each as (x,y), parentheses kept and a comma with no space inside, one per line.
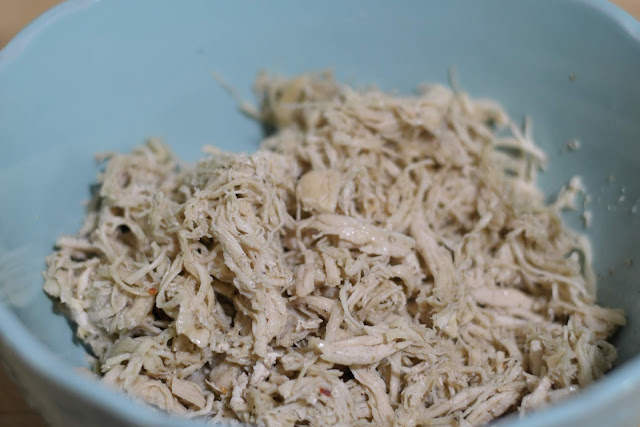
(382,260)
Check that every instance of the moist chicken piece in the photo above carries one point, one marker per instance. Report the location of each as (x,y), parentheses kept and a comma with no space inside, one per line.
(319,190)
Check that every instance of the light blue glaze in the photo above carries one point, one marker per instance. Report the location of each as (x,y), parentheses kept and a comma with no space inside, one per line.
(90,76)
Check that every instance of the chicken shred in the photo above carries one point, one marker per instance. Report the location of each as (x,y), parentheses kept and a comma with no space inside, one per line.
(382,260)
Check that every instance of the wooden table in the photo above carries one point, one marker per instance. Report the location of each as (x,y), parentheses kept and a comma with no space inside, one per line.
(15,14)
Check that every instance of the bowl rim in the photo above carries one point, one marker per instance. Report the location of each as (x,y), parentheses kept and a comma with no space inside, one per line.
(19,341)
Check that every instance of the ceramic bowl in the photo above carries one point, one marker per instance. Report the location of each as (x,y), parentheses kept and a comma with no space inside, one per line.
(91,76)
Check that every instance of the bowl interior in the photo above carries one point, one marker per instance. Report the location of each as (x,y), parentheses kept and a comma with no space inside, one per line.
(107,75)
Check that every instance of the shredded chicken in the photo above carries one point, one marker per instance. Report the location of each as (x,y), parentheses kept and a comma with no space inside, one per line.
(382,260)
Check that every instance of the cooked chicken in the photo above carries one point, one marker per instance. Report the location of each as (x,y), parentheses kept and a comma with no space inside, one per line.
(382,260)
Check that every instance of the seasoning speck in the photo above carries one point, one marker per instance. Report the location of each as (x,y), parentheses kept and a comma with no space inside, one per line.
(572,145)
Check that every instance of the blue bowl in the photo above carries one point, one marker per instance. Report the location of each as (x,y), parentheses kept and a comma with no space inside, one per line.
(91,76)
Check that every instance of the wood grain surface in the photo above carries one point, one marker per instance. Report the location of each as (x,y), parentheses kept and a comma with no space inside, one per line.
(14,15)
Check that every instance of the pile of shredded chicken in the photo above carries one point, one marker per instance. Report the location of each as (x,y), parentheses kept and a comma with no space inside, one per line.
(381,260)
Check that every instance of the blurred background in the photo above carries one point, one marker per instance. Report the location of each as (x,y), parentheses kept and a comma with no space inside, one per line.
(14,15)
